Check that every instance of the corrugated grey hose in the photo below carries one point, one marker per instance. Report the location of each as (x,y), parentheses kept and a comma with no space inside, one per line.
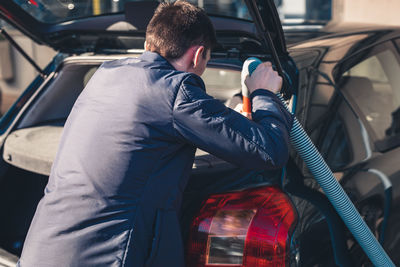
(333,190)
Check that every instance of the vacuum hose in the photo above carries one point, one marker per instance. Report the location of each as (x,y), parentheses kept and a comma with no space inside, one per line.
(333,190)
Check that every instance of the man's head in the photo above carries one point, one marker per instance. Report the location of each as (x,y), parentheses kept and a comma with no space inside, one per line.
(181,32)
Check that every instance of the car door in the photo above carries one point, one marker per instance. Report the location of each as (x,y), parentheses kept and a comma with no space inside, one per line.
(371,85)
(360,139)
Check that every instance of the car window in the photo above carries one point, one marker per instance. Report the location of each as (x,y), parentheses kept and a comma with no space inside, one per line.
(340,135)
(59,11)
(372,83)
(222,84)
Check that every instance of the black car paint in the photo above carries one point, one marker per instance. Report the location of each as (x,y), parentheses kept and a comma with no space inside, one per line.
(374,198)
(96,33)
(317,216)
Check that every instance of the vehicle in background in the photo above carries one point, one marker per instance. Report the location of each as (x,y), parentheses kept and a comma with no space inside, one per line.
(344,91)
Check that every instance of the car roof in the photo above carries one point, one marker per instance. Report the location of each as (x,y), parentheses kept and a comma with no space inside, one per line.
(328,33)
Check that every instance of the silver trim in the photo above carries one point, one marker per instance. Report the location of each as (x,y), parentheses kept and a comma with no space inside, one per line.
(302,27)
(365,138)
(385,180)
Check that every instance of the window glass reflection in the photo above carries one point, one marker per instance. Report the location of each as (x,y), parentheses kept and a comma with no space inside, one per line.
(373,85)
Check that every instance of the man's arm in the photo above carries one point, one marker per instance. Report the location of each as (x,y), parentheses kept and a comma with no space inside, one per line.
(206,123)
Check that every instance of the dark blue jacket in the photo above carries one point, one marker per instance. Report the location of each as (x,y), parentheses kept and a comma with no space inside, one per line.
(125,156)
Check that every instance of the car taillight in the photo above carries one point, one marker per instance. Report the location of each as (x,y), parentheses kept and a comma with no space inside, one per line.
(247,228)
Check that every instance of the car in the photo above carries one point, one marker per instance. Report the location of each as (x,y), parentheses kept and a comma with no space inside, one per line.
(343,87)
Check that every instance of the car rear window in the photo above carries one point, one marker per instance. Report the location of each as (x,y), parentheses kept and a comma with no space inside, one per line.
(64,10)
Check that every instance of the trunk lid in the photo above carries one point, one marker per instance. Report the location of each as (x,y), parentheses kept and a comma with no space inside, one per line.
(84,26)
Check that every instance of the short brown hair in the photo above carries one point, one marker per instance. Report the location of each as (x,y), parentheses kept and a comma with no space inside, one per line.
(175,27)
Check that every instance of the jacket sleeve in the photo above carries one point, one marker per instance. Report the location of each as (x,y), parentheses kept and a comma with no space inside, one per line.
(208,124)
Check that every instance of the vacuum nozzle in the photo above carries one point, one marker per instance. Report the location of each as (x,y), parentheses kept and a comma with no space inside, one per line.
(248,67)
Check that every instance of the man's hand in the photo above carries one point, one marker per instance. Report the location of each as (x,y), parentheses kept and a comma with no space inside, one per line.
(264,77)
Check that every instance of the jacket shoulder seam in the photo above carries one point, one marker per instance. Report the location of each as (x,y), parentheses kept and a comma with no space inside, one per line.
(179,87)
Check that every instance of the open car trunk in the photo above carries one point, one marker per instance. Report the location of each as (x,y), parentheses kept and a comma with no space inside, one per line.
(30,148)
(33,144)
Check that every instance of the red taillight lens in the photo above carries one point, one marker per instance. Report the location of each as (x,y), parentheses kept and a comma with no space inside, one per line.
(247,228)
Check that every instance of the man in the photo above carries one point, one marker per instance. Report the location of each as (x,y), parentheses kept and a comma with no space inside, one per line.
(128,147)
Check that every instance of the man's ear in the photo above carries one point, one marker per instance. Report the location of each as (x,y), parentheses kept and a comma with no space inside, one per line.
(197,54)
(146,46)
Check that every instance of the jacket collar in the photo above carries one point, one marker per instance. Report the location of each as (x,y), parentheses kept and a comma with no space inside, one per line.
(149,56)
